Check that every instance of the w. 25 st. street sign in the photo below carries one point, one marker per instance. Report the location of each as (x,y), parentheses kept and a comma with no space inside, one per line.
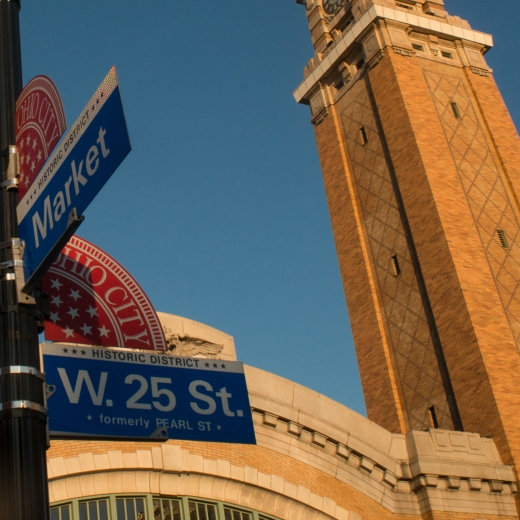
(120,393)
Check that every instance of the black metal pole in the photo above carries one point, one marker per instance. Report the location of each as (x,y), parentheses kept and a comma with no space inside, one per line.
(23,469)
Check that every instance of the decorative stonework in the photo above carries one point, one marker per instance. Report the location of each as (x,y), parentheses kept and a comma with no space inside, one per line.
(185,345)
(450,28)
(486,189)
(479,72)
(404,52)
(171,470)
(318,118)
(408,476)
(376,59)
(413,351)
(186,337)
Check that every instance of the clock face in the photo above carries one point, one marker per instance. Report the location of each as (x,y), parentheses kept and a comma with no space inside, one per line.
(331,6)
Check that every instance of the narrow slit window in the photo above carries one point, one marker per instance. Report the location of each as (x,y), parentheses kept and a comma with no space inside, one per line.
(433,417)
(502,237)
(395,265)
(363,135)
(448,55)
(418,47)
(455,108)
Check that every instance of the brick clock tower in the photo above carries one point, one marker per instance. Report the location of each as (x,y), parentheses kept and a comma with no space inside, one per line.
(421,164)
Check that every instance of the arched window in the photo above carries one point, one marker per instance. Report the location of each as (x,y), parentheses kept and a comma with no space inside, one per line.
(152,507)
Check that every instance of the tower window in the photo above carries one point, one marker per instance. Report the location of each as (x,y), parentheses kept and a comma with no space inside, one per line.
(395,265)
(418,47)
(340,83)
(433,417)
(502,237)
(363,135)
(455,109)
(446,54)
(346,24)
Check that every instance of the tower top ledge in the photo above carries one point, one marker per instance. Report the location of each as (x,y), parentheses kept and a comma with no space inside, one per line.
(333,45)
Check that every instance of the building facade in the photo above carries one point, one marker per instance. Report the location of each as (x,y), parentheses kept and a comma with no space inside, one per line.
(420,161)
(314,459)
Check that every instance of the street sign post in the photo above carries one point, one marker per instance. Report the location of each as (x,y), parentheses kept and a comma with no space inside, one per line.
(72,176)
(128,394)
(23,439)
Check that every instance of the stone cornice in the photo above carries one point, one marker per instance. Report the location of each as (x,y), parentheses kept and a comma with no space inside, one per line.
(416,22)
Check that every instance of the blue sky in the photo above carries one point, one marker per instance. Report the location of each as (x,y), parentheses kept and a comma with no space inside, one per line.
(219,211)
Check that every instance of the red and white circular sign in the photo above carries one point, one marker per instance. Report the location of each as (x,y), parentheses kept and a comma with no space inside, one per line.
(94,301)
(40,123)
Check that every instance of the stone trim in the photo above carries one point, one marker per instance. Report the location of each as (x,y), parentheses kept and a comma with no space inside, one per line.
(479,71)
(404,52)
(411,480)
(170,470)
(319,117)
(415,21)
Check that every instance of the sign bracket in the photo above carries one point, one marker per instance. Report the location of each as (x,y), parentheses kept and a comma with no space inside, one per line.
(160,434)
(23,404)
(13,168)
(72,225)
(17,249)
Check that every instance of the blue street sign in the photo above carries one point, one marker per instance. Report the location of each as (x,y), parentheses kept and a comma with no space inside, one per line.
(123,393)
(72,176)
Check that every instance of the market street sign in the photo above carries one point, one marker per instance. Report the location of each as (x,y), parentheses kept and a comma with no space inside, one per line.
(72,176)
(122,393)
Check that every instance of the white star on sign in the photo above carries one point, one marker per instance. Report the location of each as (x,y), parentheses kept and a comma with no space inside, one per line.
(103,331)
(54,317)
(89,417)
(73,312)
(68,332)
(33,166)
(34,144)
(28,140)
(92,311)
(26,181)
(39,155)
(56,300)
(86,329)
(56,284)
(75,295)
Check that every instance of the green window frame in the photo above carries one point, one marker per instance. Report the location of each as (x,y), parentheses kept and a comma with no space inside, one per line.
(202,510)
(98,509)
(232,513)
(61,512)
(151,507)
(131,508)
(166,507)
